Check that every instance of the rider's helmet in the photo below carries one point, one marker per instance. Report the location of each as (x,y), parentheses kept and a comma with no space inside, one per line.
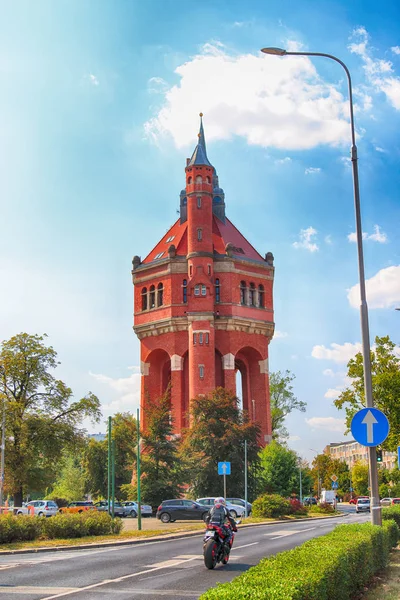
(220,500)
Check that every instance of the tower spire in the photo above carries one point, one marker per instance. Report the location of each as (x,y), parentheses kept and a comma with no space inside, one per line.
(199,156)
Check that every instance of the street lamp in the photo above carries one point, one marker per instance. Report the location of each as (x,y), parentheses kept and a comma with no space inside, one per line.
(3,443)
(376,514)
(319,481)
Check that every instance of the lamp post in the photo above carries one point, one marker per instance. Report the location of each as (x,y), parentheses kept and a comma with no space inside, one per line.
(319,481)
(376,510)
(3,443)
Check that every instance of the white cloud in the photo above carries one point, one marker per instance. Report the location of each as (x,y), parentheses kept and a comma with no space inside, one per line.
(395,49)
(379,72)
(383,289)
(93,79)
(280,334)
(378,236)
(157,85)
(306,242)
(346,161)
(126,389)
(268,101)
(379,149)
(283,161)
(328,373)
(326,423)
(338,353)
(312,170)
(294,438)
(332,393)
(328,240)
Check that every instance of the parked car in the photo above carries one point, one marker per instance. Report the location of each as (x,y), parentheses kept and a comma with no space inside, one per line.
(395,500)
(41,508)
(79,506)
(363,505)
(118,508)
(354,500)
(386,501)
(310,501)
(171,510)
(234,509)
(131,509)
(241,502)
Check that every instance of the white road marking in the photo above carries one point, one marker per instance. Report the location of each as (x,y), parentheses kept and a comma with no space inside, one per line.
(285,533)
(245,546)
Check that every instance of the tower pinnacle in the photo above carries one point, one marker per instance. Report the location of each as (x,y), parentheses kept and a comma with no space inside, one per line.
(199,156)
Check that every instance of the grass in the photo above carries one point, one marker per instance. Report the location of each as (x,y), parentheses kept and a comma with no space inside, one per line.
(386,586)
(95,539)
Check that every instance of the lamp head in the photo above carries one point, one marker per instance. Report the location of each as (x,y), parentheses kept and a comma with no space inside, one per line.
(274,51)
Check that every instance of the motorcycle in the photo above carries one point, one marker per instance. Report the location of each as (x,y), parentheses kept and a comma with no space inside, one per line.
(217,544)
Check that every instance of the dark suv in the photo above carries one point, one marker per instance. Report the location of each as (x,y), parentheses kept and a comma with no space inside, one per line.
(171,510)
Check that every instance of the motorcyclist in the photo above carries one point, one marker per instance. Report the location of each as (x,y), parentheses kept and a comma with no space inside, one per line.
(219,514)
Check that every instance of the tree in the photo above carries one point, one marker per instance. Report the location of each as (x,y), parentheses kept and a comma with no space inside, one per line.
(218,432)
(42,420)
(385,368)
(94,463)
(160,468)
(70,485)
(279,469)
(283,402)
(359,478)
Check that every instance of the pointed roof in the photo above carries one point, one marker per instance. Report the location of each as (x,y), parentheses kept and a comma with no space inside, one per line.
(199,156)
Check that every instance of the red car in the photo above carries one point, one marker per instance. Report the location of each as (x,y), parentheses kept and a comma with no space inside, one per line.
(354,500)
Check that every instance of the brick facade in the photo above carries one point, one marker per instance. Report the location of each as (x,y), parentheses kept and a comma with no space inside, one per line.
(203,306)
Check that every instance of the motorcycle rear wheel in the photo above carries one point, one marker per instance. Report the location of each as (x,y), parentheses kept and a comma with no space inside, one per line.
(210,554)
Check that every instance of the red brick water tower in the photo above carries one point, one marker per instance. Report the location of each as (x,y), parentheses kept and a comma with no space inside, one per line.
(203,304)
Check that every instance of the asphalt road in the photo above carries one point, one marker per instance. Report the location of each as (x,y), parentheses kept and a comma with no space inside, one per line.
(154,570)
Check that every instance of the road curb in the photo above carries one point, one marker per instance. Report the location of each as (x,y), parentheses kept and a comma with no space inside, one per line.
(156,538)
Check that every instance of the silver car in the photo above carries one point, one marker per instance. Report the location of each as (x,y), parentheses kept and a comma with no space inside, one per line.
(42,508)
(363,505)
(235,510)
(131,509)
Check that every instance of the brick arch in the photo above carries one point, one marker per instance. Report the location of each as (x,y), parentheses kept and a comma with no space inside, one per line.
(158,371)
(255,386)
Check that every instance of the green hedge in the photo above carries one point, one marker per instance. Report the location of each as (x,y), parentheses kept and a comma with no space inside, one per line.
(270,506)
(62,526)
(337,565)
(392,512)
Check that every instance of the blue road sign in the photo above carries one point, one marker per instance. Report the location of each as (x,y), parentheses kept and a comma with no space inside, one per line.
(335,485)
(224,468)
(370,427)
(398,456)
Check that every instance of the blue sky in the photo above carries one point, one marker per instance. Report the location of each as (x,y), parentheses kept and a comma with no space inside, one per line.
(99,108)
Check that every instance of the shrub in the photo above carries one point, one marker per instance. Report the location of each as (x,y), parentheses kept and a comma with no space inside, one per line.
(296,507)
(392,512)
(270,506)
(347,558)
(68,525)
(324,508)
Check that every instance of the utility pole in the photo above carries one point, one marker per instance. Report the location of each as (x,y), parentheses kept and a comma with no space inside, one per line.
(113,477)
(139,515)
(3,445)
(109,468)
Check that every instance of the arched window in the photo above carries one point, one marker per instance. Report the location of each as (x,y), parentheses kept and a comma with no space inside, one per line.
(198,201)
(194,339)
(201,337)
(217,291)
(252,294)
(209,269)
(190,270)
(199,179)
(199,235)
(203,290)
(197,290)
(160,294)
(261,296)
(189,180)
(152,302)
(208,179)
(201,371)
(242,292)
(207,336)
(144,298)
(185,290)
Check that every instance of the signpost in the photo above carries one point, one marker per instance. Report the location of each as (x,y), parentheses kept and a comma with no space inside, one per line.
(224,468)
(398,457)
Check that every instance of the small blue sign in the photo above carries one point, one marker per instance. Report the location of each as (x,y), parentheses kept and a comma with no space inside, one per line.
(370,427)
(398,457)
(224,468)
(335,485)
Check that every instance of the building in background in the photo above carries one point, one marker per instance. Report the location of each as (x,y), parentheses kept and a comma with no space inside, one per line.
(352,452)
(203,305)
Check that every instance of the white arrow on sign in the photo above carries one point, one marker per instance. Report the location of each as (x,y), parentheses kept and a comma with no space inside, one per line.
(224,467)
(369,421)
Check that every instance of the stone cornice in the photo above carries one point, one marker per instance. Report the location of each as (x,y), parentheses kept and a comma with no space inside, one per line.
(160,327)
(246,325)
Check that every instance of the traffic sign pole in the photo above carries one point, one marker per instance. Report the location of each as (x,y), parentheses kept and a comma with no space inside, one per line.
(225,486)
